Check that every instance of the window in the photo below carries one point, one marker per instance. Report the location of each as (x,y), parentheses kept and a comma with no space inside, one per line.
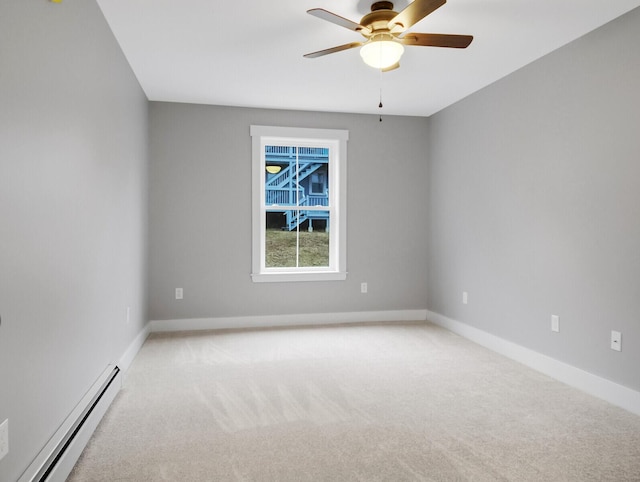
(318,183)
(299,204)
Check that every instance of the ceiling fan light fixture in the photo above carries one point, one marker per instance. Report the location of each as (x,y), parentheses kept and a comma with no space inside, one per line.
(381,51)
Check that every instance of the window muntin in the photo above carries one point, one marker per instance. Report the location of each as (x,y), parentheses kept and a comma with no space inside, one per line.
(299,215)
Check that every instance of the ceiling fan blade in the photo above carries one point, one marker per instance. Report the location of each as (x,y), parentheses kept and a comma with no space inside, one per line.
(393,67)
(332,50)
(337,19)
(413,13)
(437,40)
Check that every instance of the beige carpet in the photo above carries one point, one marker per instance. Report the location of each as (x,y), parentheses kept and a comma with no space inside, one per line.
(373,402)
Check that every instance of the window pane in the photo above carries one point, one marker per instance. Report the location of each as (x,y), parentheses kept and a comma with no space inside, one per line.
(281,244)
(314,239)
(313,176)
(281,187)
(296,176)
(296,239)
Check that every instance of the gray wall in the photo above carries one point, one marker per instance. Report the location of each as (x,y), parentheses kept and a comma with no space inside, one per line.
(200,215)
(534,204)
(73,167)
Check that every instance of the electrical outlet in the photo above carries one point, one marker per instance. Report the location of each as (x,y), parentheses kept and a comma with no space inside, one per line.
(128,314)
(555,323)
(4,438)
(179,293)
(364,287)
(465,297)
(616,340)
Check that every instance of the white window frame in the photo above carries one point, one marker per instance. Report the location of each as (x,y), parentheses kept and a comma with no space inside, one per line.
(336,141)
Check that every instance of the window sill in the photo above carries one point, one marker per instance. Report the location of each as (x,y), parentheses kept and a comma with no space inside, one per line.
(296,277)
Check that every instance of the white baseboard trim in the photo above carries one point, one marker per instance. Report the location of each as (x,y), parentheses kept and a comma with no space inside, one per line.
(195,324)
(130,353)
(602,388)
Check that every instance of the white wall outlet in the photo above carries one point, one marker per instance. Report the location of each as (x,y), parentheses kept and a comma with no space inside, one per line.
(128,314)
(364,287)
(4,438)
(465,297)
(616,340)
(555,323)
(179,293)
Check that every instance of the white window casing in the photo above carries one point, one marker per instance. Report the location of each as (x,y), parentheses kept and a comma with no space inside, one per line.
(336,141)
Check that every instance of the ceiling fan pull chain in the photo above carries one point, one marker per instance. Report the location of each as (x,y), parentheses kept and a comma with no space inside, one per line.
(380,104)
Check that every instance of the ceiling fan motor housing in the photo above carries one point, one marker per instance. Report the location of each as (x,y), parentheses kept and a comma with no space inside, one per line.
(378,20)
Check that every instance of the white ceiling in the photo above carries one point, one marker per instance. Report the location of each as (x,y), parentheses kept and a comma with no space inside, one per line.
(249,52)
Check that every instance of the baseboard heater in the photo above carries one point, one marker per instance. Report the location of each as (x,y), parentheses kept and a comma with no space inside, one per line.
(56,460)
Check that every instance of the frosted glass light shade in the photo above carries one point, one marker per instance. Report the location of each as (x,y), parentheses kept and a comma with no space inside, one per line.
(382,53)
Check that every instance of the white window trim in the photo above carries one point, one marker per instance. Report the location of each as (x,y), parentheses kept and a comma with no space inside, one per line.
(338,178)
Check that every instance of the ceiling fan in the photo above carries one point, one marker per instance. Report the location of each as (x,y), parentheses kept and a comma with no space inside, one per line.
(386,33)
